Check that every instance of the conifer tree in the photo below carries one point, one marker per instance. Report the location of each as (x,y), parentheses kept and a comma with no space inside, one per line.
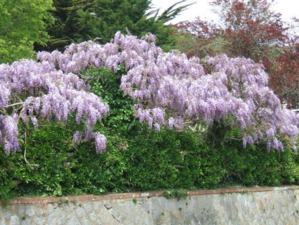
(80,20)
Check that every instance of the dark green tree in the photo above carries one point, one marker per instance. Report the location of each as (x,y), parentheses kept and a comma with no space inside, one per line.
(79,20)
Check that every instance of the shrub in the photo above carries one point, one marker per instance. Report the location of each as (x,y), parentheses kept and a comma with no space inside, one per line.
(223,103)
(137,158)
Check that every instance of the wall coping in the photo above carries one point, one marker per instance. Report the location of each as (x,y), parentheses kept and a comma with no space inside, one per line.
(140,195)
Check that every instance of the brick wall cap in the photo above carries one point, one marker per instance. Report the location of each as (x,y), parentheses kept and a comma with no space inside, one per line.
(140,195)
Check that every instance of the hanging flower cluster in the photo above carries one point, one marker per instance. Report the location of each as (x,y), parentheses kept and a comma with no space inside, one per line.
(32,90)
(169,89)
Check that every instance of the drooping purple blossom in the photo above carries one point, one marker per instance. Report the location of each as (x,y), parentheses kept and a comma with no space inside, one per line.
(9,133)
(32,90)
(100,141)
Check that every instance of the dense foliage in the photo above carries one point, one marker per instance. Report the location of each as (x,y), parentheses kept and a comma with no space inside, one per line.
(22,23)
(168,90)
(137,158)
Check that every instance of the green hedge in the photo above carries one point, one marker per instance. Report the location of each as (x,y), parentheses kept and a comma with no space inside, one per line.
(137,158)
(146,161)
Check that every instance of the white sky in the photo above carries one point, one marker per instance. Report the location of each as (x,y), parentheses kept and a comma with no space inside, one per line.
(201,8)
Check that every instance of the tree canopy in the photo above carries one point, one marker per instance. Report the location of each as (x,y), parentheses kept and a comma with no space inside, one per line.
(22,24)
(77,21)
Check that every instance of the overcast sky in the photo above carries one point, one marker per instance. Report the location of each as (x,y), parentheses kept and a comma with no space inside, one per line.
(201,8)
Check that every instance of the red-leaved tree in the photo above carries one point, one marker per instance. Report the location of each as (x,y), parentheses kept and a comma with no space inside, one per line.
(250,28)
(285,75)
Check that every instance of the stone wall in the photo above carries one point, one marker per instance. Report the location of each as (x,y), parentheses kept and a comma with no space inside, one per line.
(235,206)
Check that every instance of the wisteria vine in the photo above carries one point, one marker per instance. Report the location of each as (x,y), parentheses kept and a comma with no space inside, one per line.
(169,89)
(31,90)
